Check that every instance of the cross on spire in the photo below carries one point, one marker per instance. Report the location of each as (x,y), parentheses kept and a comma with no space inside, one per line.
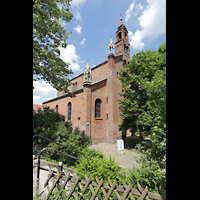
(121,16)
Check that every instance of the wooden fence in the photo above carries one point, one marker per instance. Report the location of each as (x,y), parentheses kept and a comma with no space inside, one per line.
(72,187)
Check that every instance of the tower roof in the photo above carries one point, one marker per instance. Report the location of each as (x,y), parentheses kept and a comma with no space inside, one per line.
(121,25)
(110,42)
(87,66)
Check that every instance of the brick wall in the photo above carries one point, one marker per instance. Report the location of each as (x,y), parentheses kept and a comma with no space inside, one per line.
(105,83)
(99,126)
(83,105)
(76,112)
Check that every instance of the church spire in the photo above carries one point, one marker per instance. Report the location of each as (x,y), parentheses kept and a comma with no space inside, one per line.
(122,46)
(87,73)
(110,45)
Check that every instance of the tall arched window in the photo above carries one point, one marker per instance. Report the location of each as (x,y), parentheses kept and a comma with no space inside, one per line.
(98,108)
(69,111)
(56,108)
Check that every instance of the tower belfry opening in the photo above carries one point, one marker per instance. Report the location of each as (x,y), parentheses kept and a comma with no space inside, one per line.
(119,35)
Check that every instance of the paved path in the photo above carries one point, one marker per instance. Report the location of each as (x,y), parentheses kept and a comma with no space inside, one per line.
(125,160)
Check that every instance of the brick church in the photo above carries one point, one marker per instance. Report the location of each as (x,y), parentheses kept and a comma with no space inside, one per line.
(95,110)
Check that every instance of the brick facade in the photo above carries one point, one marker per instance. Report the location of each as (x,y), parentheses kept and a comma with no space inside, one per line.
(104,87)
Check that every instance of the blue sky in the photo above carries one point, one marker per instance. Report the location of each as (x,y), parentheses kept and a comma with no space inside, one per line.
(94,21)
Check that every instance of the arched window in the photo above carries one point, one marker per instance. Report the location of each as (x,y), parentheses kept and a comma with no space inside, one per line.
(56,108)
(98,108)
(69,111)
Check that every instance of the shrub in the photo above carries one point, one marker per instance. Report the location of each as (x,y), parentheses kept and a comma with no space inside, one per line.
(94,163)
(72,139)
(149,174)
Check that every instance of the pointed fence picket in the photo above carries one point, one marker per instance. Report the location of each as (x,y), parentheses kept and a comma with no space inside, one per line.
(69,184)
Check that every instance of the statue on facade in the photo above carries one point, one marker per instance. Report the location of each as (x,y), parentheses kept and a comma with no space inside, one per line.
(110,46)
(87,73)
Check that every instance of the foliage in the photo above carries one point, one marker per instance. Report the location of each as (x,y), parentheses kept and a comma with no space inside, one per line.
(72,139)
(48,35)
(143,111)
(143,108)
(94,163)
(45,123)
(149,174)
(51,125)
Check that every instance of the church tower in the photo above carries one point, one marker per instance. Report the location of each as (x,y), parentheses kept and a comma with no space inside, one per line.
(122,46)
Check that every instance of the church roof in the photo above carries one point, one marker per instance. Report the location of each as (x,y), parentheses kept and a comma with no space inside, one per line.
(121,25)
(75,92)
(64,95)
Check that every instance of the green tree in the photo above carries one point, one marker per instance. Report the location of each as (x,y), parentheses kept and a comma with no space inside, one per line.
(45,123)
(143,108)
(50,124)
(66,136)
(48,35)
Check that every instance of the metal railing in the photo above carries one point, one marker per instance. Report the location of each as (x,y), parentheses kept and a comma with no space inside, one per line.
(55,150)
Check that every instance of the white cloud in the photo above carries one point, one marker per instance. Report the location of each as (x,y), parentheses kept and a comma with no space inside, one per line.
(42,90)
(77,3)
(36,98)
(78,29)
(69,55)
(76,8)
(136,39)
(83,41)
(153,19)
(140,6)
(77,15)
(137,10)
(152,22)
(128,12)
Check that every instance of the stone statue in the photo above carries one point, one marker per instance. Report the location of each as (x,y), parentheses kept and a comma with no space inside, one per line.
(110,46)
(87,73)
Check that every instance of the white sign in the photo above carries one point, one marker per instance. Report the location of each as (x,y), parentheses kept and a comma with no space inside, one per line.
(120,146)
